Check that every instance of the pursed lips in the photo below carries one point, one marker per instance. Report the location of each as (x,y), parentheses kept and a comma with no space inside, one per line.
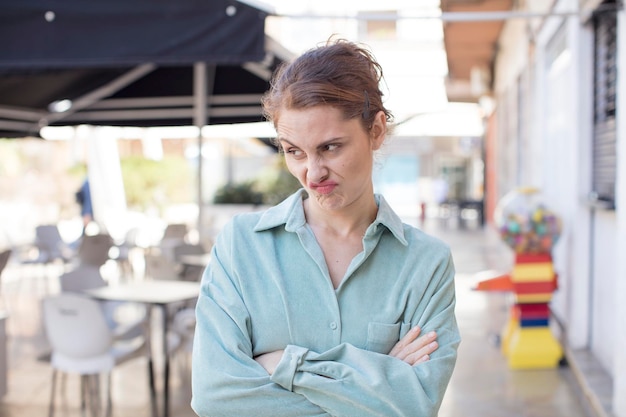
(324,187)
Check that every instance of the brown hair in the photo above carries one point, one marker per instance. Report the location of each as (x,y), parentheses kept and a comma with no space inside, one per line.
(340,73)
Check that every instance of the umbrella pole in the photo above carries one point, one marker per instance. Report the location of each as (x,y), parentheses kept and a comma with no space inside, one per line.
(203,88)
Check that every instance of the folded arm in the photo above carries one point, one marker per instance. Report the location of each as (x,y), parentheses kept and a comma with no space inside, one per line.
(342,381)
(226,381)
(409,381)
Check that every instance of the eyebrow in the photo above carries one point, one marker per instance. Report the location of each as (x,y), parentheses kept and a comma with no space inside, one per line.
(320,146)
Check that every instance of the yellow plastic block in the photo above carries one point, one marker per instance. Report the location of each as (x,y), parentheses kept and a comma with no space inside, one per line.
(533,348)
(533,272)
(511,327)
(533,298)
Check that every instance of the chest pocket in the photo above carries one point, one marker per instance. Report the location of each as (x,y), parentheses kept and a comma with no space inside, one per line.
(381,337)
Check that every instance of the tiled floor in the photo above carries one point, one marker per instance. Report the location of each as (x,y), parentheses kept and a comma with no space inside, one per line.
(481,386)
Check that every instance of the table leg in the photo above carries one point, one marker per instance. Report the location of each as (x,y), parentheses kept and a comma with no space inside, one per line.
(152,388)
(153,401)
(166,363)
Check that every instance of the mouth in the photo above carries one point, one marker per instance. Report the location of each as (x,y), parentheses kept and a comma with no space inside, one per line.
(323,188)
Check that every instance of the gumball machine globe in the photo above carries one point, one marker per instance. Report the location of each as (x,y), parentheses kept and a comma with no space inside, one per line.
(525,223)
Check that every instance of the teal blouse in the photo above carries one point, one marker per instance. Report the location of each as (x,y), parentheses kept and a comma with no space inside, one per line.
(267,288)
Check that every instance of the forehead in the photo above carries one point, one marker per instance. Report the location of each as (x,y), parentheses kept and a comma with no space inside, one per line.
(323,122)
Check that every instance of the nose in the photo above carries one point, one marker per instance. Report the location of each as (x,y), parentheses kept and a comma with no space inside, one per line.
(316,170)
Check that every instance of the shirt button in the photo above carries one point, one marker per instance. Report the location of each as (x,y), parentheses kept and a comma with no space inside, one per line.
(333,325)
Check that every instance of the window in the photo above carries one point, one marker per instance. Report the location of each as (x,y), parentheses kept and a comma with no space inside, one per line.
(604,148)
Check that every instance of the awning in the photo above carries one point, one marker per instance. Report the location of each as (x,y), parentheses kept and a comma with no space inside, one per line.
(132,63)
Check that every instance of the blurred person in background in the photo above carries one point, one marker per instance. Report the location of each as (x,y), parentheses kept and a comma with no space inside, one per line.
(83,198)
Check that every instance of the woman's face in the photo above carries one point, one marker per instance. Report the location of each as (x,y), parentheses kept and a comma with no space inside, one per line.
(330,156)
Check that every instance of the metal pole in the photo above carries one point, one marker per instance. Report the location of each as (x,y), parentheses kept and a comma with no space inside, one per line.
(199,120)
(480,16)
(204,78)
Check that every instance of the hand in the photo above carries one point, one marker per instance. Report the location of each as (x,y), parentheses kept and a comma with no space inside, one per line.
(413,349)
(270,360)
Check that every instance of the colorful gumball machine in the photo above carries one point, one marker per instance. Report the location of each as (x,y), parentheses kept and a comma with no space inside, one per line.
(530,229)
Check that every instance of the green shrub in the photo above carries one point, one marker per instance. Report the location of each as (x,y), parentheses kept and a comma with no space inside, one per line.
(156,183)
(270,188)
(241,193)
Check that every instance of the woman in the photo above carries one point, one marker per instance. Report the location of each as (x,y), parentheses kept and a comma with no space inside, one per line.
(325,305)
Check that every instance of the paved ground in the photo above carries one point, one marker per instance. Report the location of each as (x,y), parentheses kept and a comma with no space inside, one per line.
(481,386)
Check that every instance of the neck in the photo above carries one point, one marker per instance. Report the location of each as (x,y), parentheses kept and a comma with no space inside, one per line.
(351,220)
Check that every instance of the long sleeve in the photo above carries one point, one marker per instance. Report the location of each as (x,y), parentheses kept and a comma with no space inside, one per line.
(267,288)
(348,381)
(226,381)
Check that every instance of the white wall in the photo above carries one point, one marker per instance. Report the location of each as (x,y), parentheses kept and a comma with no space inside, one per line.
(559,148)
(619,378)
(603,306)
(579,256)
(564,126)
(592,297)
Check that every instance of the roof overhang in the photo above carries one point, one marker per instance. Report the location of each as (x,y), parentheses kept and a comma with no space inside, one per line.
(471,46)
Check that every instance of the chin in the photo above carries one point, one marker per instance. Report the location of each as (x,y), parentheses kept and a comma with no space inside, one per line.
(329,201)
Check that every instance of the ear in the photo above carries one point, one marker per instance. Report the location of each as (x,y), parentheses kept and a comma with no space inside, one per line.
(378,130)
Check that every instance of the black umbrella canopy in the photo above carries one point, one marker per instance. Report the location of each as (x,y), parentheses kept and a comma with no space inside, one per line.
(132,63)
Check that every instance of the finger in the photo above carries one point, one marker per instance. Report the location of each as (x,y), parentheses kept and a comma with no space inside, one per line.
(418,345)
(423,359)
(421,355)
(405,341)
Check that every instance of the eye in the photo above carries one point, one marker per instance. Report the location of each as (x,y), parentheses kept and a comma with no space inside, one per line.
(331,147)
(294,152)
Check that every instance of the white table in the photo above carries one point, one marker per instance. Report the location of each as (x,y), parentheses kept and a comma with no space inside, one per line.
(200,260)
(159,293)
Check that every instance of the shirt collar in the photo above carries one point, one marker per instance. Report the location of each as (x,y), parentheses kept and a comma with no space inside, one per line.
(290,212)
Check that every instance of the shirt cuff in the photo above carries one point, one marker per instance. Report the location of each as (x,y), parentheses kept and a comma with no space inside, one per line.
(285,371)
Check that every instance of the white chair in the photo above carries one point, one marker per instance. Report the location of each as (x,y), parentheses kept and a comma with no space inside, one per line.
(82,343)
(126,319)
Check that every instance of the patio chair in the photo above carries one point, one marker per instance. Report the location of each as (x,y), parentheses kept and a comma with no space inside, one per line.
(174,234)
(184,325)
(94,249)
(175,231)
(188,272)
(125,251)
(125,319)
(82,343)
(4,260)
(160,267)
(49,245)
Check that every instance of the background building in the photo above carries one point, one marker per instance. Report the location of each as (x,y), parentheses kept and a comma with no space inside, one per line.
(436,150)
(552,73)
